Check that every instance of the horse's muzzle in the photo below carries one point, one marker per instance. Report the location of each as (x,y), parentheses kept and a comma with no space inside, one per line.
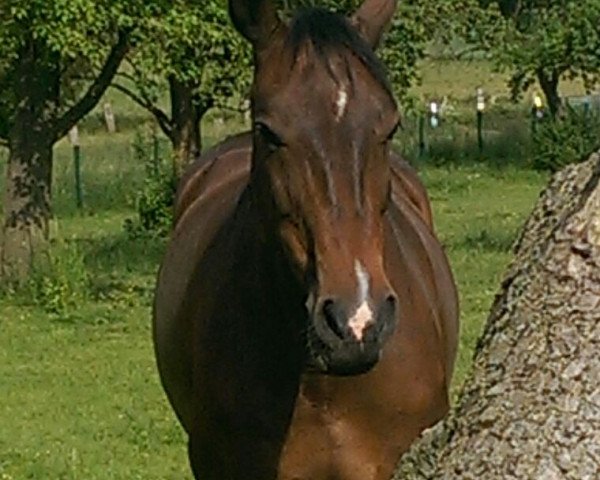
(349,341)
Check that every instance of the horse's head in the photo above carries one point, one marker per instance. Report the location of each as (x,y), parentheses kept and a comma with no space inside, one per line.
(323,117)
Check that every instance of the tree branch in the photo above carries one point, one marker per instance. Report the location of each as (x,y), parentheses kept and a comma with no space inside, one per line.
(164,122)
(61,125)
(126,76)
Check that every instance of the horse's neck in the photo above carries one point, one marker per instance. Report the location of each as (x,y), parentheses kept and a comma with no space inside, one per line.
(267,280)
(261,252)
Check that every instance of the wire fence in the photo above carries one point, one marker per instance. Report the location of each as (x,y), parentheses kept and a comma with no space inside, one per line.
(440,132)
(444,133)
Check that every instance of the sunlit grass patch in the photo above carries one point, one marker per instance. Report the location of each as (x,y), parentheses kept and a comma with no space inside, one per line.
(81,398)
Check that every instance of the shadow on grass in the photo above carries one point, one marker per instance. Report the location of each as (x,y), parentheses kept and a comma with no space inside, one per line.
(122,266)
(487,240)
(90,280)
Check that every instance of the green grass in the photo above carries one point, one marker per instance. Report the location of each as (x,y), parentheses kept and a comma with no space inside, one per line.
(478,211)
(458,80)
(81,398)
(80,392)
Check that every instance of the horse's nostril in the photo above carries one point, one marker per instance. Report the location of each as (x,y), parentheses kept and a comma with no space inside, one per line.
(329,313)
(391,300)
(390,304)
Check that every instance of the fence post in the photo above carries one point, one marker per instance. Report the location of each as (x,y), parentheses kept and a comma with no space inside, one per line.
(537,112)
(109,118)
(421,135)
(480,131)
(480,109)
(74,139)
(434,114)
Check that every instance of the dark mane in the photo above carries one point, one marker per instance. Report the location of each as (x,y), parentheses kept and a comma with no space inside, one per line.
(331,32)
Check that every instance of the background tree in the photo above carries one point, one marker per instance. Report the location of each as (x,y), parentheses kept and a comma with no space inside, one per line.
(545,41)
(530,408)
(46,49)
(194,53)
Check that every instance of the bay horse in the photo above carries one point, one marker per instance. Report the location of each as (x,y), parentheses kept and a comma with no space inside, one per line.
(305,317)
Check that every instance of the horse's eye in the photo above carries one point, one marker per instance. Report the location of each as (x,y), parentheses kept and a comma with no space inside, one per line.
(268,135)
(393,131)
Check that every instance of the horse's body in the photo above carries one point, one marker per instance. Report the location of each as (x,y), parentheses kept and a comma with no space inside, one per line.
(235,326)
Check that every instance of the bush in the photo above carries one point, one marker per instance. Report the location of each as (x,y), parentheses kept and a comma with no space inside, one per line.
(59,279)
(154,202)
(569,138)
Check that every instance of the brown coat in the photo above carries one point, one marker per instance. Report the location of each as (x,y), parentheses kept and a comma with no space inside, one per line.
(305,319)
(350,428)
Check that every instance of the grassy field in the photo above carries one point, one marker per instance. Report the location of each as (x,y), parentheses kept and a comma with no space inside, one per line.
(458,80)
(80,393)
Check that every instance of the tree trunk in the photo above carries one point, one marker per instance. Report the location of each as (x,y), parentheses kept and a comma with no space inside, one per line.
(186,116)
(531,407)
(26,205)
(29,170)
(183,125)
(549,85)
(34,125)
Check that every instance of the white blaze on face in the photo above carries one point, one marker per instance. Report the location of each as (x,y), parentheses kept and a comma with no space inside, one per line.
(363,316)
(341,103)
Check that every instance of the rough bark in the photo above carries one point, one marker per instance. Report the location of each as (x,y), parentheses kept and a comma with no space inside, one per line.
(186,117)
(549,84)
(531,407)
(26,205)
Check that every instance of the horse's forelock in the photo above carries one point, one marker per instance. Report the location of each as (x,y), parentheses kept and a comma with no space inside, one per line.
(329,34)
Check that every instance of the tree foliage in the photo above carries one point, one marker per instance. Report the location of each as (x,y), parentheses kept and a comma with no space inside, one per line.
(545,41)
(193,53)
(57,57)
(73,43)
(570,138)
(195,43)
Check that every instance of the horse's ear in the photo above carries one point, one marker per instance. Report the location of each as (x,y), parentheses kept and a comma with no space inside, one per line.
(254,19)
(372,18)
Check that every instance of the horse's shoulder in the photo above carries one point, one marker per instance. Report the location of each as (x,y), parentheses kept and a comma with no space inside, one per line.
(408,187)
(207,196)
(226,165)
